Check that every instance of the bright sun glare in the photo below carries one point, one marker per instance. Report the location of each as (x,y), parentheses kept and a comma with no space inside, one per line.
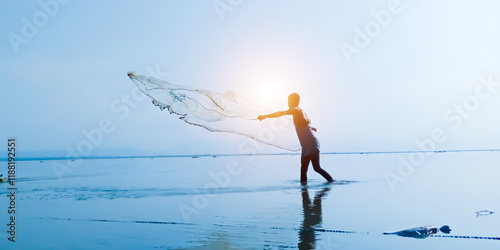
(272,94)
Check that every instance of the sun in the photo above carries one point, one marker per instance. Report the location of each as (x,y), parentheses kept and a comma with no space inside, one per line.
(272,93)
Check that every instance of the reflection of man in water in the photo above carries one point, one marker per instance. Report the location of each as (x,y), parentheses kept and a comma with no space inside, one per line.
(312,217)
(307,139)
(422,232)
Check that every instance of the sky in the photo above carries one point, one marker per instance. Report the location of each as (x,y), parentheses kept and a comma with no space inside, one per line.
(373,75)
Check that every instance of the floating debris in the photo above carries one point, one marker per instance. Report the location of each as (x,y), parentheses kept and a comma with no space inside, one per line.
(484,213)
(421,232)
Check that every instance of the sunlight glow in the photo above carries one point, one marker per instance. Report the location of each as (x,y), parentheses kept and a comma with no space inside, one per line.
(272,93)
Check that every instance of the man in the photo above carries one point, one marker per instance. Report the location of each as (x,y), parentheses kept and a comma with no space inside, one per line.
(308,141)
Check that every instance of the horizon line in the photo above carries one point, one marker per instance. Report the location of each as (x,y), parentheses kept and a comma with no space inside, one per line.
(57,158)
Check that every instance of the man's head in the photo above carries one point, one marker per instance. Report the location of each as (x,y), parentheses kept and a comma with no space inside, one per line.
(293,100)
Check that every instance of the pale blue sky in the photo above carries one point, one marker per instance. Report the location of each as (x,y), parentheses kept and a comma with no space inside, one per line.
(397,89)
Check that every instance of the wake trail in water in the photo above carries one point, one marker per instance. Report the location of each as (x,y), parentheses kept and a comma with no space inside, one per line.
(219,112)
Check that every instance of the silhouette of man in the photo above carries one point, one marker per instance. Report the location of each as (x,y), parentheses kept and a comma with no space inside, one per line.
(308,141)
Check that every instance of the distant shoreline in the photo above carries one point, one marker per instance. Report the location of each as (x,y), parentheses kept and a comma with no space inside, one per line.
(58,158)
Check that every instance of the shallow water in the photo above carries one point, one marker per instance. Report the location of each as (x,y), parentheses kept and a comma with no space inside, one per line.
(254,203)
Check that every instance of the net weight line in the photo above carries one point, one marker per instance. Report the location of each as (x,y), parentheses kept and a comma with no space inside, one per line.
(194,224)
(466,237)
(272,228)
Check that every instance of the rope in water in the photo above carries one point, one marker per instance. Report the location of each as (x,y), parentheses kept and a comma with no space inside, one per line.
(121,221)
(193,224)
(273,228)
(466,237)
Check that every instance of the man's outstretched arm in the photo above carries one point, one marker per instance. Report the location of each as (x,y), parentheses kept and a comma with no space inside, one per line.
(275,114)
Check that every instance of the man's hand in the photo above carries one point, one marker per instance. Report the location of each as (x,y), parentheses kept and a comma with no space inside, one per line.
(314,129)
(261,117)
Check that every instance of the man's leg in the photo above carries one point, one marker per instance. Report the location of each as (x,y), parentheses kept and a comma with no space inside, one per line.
(304,164)
(317,168)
